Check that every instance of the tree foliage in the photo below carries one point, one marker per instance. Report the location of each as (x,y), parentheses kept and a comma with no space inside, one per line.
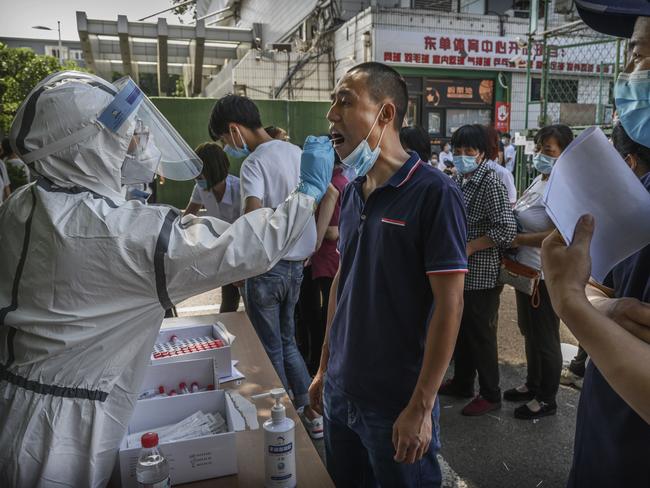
(20,70)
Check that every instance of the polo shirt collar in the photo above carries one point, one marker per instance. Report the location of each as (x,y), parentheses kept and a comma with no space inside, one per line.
(401,176)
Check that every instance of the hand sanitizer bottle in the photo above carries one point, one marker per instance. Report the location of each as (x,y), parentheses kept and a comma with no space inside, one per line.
(279,444)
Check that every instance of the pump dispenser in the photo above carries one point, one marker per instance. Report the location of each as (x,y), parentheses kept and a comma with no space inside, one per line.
(279,444)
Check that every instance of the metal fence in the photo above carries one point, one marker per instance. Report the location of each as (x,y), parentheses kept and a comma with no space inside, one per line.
(570,78)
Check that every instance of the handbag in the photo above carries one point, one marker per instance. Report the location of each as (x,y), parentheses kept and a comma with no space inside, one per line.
(522,278)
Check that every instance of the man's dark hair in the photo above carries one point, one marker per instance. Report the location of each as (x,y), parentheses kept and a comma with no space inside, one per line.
(416,139)
(6,147)
(233,108)
(383,81)
(470,136)
(507,135)
(215,162)
(560,132)
(626,146)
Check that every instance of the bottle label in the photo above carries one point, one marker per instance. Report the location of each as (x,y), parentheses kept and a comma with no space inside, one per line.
(166,483)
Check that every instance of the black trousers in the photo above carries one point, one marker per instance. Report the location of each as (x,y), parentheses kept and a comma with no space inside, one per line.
(312,317)
(229,299)
(476,347)
(541,330)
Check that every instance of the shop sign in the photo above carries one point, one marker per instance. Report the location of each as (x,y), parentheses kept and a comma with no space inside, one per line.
(482,52)
(502,116)
(449,93)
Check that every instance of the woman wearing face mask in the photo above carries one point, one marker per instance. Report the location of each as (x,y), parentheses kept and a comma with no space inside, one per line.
(217,192)
(491,225)
(538,322)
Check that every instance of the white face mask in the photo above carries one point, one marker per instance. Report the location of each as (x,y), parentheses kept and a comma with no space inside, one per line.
(362,158)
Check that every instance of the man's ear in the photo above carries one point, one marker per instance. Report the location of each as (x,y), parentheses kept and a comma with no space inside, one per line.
(388,113)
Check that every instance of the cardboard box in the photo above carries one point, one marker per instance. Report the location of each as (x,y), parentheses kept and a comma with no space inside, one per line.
(187,328)
(189,460)
(170,375)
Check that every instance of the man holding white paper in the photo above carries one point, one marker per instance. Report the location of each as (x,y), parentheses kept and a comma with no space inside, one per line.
(613,426)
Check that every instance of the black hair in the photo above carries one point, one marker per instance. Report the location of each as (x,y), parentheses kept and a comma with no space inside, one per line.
(416,139)
(470,136)
(626,146)
(215,162)
(6,147)
(506,135)
(562,134)
(383,81)
(273,131)
(233,108)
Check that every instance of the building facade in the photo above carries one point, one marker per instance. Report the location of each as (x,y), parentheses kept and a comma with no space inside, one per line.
(465,61)
(70,50)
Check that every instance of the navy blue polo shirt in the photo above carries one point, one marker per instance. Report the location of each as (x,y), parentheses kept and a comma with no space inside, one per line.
(612,444)
(412,226)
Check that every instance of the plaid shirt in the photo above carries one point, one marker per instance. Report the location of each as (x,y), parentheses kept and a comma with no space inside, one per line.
(488,214)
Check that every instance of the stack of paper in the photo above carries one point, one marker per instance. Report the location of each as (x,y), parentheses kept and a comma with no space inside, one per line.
(591,177)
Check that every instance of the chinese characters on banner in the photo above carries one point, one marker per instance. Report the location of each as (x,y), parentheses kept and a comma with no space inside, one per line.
(480,52)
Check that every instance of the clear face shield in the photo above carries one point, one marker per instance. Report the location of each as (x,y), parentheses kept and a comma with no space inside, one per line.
(156,147)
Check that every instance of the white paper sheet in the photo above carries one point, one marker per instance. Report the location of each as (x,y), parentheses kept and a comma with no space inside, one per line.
(591,177)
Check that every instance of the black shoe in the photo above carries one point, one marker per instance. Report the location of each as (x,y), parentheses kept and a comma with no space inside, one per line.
(514,395)
(525,413)
(448,388)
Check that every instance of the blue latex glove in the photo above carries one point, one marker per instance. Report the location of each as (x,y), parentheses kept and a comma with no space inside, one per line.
(316,166)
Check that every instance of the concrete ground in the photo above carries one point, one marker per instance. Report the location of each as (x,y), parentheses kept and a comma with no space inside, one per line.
(496,450)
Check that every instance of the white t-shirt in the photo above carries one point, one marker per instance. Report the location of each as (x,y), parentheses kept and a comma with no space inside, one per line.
(445,156)
(270,173)
(229,208)
(506,178)
(509,155)
(531,216)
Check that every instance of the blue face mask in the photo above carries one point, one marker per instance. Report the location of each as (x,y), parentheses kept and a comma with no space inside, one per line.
(203,184)
(632,96)
(543,163)
(465,164)
(363,158)
(237,152)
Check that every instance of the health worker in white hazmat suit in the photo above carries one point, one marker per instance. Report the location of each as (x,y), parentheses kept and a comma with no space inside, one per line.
(87,276)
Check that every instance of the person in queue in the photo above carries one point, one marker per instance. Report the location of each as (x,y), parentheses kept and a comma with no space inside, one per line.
(491,227)
(402,236)
(613,422)
(537,320)
(218,193)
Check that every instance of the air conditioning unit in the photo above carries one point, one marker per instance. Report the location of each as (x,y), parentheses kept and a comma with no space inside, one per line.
(564,7)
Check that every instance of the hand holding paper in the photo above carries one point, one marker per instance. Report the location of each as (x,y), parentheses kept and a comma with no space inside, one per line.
(591,178)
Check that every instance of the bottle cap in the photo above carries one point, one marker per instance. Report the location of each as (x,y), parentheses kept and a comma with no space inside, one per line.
(149,440)
(161,389)
(182,385)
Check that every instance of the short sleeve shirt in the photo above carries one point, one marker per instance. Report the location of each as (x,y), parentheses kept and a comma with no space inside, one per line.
(270,173)
(612,441)
(412,226)
(228,209)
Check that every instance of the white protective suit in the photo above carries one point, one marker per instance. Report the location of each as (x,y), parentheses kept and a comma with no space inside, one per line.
(85,280)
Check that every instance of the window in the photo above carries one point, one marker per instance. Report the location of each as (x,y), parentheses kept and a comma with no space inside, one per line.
(559,90)
(459,117)
(76,54)
(441,5)
(471,6)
